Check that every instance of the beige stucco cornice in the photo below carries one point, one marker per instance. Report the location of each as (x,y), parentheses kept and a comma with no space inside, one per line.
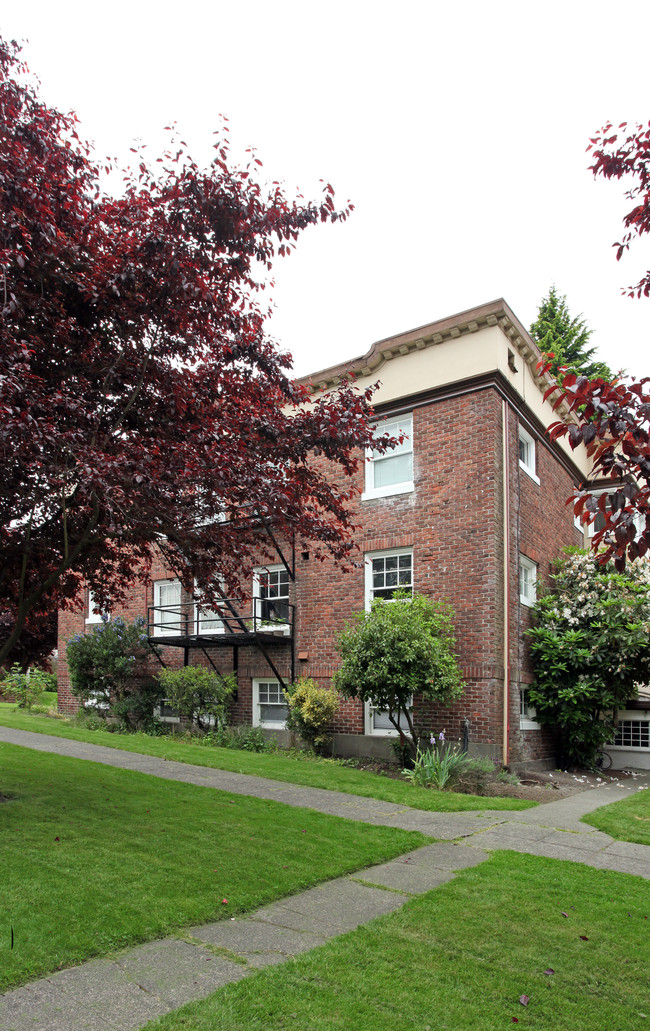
(494,313)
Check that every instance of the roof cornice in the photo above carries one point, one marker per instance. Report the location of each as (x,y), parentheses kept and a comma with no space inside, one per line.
(494,313)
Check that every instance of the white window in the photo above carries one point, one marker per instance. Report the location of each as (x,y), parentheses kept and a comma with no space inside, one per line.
(208,621)
(598,522)
(168,614)
(633,734)
(270,707)
(527,581)
(391,472)
(387,572)
(527,454)
(377,721)
(527,714)
(95,615)
(271,598)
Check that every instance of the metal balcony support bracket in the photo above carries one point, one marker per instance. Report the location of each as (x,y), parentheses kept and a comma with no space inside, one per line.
(155,653)
(272,665)
(214,666)
(291,569)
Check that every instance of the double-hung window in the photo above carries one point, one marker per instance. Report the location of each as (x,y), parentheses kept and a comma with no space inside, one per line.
(527,714)
(271,597)
(95,614)
(527,454)
(527,581)
(167,613)
(208,621)
(391,472)
(270,708)
(386,572)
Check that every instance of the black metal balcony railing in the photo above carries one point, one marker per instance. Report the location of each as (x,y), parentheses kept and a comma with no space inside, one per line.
(271,617)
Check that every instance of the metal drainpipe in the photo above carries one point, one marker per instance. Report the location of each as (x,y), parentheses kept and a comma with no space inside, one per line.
(506,582)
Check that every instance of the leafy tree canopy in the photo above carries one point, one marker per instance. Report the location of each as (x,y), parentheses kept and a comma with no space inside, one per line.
(590,648)
(625,152)
(142,405)
(566,339)
(399,649)
(612,418)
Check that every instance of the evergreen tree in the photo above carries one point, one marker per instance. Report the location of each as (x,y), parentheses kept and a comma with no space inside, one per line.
(566,338)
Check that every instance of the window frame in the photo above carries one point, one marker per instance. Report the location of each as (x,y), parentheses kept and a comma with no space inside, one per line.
(257,721)
(162,631)
(369,708)
(401,486)
(258,622)
(208,614)
(527,712)
(529,464)
(368,572)
(528,564)
(95,615)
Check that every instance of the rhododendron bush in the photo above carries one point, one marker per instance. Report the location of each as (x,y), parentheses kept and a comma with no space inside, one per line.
(590,648)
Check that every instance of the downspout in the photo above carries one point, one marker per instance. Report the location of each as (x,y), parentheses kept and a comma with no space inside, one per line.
(506,582)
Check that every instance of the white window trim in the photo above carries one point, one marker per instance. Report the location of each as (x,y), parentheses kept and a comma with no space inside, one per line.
(590,527)
(209,614)
(367,562)
(527,720)
(529,441)
(380,731)
(258,575)
(369,709)
(162,631)
(256,721)
(527,563)
(405,486)
(94,614)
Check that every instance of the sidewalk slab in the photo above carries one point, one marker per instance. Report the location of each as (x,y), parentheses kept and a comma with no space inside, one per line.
(256,941)
(332,908)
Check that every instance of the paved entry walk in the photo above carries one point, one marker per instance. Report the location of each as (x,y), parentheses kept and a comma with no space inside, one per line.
(123,993)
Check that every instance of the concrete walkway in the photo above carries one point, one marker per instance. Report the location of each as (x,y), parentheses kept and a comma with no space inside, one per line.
(123,993)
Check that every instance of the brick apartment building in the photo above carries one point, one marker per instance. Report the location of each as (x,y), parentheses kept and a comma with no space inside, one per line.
(470,508)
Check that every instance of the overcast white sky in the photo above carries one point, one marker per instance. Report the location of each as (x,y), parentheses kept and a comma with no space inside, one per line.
(458,130)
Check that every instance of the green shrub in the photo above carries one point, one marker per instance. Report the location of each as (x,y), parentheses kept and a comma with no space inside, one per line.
(481,773)
(25,688)
(311,711)
(109,668)
(197,694)
(401,648)
(247,739)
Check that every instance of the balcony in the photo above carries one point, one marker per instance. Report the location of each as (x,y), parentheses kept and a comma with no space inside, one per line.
(186,625)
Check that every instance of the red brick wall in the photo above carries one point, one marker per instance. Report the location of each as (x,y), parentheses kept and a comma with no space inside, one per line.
(453,521)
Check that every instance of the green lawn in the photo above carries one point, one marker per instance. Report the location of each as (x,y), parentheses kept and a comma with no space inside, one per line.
(96,858)
(460,958)
(276,766)
(627,820)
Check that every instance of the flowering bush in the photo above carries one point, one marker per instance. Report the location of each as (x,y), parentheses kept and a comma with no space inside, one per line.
(438,767)
(590,648)
(311,711)
(109,667)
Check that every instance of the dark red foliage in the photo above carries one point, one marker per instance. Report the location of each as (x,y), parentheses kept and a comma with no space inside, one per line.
(625,151)
(142,406)
(611,420)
